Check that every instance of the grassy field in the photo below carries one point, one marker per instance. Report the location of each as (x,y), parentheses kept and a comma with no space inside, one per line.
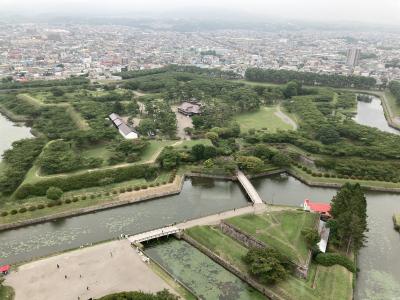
(263,118)
(365,183)
(6,293)
(220,244)
(281,230)
(322,283)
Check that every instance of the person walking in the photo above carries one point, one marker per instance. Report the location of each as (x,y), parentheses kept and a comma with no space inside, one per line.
(58,266)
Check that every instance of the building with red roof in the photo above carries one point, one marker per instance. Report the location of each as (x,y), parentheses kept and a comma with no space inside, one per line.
(317,207)
(5,269)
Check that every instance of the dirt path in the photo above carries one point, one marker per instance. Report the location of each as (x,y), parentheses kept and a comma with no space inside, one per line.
(182,123)
(285,118)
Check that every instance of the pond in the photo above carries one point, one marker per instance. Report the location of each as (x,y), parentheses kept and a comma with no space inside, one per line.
(11,132)
(372,114)
(206,278)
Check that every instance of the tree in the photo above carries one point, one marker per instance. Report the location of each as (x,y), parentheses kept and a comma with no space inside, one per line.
(281,160)
(57,92)
(327,134)
(312,238)
(250,163)
(212,136)
(268,265)
(54,193)
(292,89)
(198,151)
(349,212)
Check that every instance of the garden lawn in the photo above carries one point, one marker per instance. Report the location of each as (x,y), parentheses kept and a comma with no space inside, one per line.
(263,118)
(219,243)
(100,151)
(280,230)
(330,283)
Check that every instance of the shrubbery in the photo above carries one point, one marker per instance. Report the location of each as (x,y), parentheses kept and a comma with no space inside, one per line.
(54,193)
(330,259)
(87,179)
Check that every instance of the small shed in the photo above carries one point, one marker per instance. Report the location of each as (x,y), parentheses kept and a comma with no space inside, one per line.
(316,207)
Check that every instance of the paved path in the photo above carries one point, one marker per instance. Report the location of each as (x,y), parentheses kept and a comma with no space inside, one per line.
(105,268)
(249,188)
(285,118)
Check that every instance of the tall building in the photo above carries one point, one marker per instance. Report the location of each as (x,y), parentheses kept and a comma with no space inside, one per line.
(353,55)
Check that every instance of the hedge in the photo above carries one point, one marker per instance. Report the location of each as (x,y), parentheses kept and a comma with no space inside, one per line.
(86,180)
(330,259)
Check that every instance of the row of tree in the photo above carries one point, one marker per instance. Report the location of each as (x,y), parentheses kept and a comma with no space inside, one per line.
(309,78)
(394,87)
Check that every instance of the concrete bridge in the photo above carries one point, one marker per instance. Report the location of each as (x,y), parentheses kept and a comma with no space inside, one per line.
(249,188)
(153,234)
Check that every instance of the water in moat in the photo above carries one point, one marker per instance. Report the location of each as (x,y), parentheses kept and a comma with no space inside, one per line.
(206,278)
(11,132)
(372,114)
(198,198)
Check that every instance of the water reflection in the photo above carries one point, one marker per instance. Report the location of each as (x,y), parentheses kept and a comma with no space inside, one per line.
(372,114)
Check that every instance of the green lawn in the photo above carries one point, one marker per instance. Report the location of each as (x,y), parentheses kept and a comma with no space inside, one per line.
(331,283)
(220,244)
(281,230)
(263,118)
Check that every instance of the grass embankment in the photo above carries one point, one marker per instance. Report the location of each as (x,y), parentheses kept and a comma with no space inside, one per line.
(89,197)
(6,293)
(149,155)
(322,282)
(394,106)
(280,230)
(79,121)
(264,118)
(396,221)
(315,180)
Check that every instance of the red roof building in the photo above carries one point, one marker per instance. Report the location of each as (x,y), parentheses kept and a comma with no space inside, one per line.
(321,208)
(5,269)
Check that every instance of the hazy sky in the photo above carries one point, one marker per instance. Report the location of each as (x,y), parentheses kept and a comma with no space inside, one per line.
(372,11)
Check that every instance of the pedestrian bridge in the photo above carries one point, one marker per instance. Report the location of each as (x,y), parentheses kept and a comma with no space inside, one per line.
(249,188)
(153,234)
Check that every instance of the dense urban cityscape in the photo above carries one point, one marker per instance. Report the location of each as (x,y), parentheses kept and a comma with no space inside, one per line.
(40,51)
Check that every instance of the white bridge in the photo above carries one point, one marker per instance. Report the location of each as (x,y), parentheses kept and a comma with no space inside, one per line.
(249,188)
(153,234)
